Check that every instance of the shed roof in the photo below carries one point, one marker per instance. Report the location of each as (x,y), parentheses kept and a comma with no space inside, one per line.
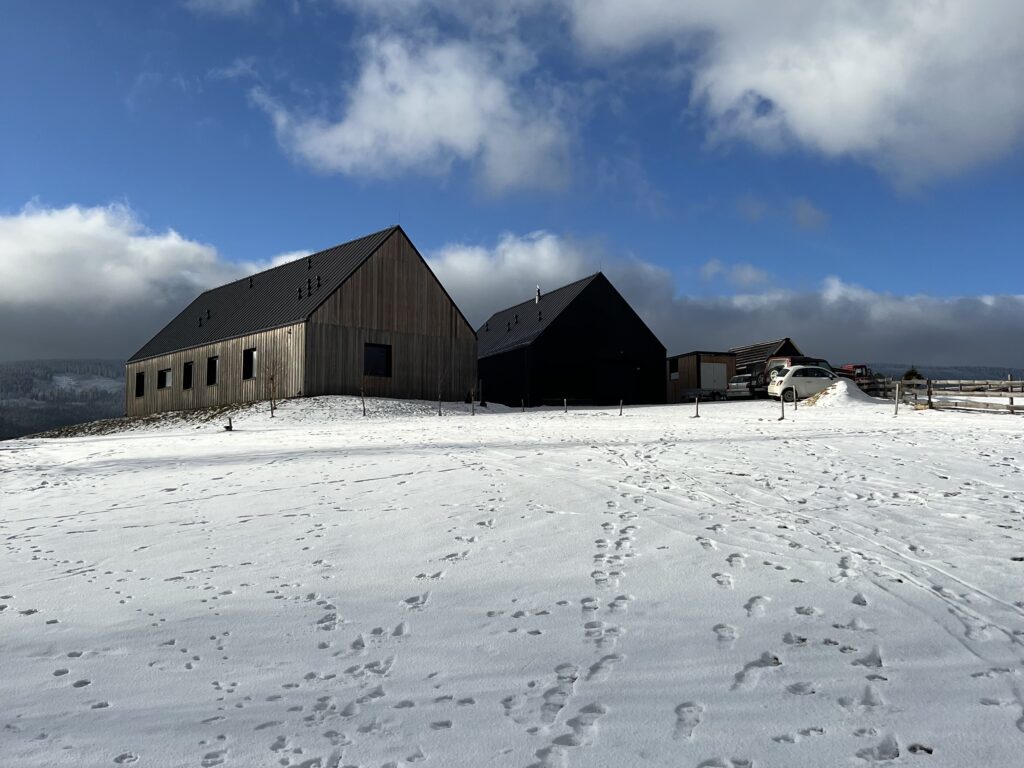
(760,352)
(275,297)
(520,325)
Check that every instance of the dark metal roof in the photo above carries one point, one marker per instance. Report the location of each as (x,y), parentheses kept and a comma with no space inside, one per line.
(520,325)
(270,299)
(760,352)
(702,352)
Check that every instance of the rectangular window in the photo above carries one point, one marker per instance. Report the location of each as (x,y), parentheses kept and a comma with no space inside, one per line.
(211,370)
(186,375)
(163,378)
(249,363)
(377,360)
(140,384)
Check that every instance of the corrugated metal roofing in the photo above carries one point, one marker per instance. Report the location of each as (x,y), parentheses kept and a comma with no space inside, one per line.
(760,352)
(269,299)
(518,326)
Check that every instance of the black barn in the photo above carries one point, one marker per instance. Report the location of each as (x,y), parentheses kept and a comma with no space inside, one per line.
(581,342)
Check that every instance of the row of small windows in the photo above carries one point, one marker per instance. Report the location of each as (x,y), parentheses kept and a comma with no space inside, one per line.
(376,362)
(165,376)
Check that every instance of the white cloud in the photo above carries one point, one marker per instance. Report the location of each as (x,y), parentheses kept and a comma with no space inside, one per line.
(839,321)
(807,215)
(84,282)
(242,68)
(423,107)
(742,276)
(222,7)
(918,90)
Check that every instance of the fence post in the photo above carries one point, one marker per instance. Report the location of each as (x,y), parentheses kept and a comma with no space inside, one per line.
(795,398)
(565,405)
(783,404)
(620,407)
(522,404)
(696,411)
(929,393)
(362,394)
(898,386)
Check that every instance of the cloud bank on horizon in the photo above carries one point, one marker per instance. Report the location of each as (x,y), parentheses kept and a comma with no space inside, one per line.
(95,282)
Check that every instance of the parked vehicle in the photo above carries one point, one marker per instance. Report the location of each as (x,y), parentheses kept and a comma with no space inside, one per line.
(739,387)
(800,381)
(776,364)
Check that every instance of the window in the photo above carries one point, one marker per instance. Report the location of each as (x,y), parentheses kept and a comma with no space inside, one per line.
(186,375)
(673,369)
(377,360)
(249,363)
(163,378)
(140,384)
(211,370)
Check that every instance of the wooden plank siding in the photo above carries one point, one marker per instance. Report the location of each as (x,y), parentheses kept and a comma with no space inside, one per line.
(279,351)
(392,299)
(689,378)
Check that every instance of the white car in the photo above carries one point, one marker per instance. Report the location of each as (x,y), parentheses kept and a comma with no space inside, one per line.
(799,381)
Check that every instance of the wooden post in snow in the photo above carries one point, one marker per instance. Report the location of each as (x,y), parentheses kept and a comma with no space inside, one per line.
(898,387)
(783,404)
(696,407)
(565,405)
(620,407)
(929,393)
(362,394)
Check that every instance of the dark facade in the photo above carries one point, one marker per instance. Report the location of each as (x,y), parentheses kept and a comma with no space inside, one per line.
(368,315)
(582,342)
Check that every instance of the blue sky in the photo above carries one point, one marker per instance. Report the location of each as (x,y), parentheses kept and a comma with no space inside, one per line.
(724,167)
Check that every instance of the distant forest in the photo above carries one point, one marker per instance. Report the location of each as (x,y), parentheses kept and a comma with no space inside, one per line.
(37,395)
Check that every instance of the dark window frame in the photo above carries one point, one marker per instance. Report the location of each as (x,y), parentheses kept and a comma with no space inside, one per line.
(140,383)
(249,364)
(164,378)
(377,360)
(212,370)
(187,375)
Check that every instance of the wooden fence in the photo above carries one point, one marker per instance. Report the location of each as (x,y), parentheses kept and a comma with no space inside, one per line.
(1006,396)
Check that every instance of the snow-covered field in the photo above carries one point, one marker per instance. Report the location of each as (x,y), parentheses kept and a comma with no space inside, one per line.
(841,588)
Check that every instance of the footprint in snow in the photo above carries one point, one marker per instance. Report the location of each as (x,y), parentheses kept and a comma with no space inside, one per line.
(722,580)
(689,715)
(756,605)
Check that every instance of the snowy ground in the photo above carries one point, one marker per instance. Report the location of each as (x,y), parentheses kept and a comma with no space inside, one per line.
(841,588)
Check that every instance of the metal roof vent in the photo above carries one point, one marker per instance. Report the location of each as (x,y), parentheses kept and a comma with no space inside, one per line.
(487,327)
(318,281)
(508,327)
(309,285)
(207,314)
(200,321)
(517,318)
(309,262)
(250,282)
(300,292)
(540,316)
(537,299)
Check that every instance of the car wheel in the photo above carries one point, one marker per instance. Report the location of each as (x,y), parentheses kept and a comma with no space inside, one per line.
(789,395)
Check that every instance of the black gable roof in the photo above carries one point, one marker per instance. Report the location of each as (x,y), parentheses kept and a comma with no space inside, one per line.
(270,299)
(760,352)
(520,325)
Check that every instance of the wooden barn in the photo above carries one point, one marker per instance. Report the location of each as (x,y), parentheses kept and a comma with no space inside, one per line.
(368,315)
(700,373)
(581,342)
(752,358)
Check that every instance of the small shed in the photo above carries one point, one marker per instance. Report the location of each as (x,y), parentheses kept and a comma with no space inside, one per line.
(752,358)
(581,342)
(699,373)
